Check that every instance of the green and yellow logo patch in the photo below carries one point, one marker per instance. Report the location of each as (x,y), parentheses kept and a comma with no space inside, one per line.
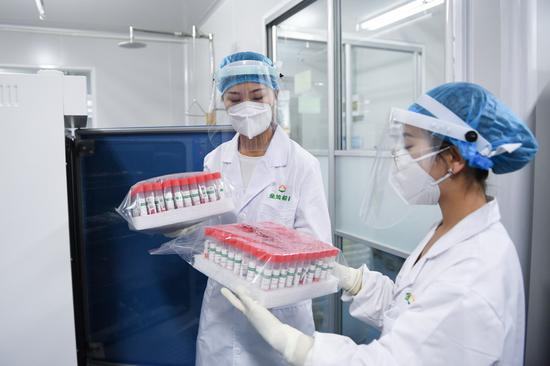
(280,194)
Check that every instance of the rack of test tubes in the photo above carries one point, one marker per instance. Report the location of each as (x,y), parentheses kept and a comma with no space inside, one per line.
(277,265)
(172,201)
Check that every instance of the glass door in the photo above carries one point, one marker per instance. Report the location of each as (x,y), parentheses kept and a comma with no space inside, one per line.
(354,63)
(299,48)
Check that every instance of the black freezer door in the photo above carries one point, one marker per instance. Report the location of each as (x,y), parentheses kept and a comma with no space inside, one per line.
(131,307)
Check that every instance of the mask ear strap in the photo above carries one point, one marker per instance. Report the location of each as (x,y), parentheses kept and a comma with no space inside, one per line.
(449,174)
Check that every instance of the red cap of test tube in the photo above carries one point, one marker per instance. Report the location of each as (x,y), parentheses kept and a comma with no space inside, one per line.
(234,242)
(147,187)
(136,189)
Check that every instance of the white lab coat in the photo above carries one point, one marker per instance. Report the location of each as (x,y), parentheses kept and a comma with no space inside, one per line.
(225,335)
(466,304)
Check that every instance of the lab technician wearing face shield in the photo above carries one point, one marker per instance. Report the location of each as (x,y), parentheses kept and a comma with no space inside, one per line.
(274,179)
(459,298)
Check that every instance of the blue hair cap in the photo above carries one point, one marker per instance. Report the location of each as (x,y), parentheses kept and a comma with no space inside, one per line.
(492,119)
(267,79)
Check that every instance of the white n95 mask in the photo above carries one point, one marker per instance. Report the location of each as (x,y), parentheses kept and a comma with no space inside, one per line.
(250,118)
(413,184)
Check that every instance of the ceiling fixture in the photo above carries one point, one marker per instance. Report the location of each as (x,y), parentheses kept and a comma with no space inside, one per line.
(41,10)
(399,13)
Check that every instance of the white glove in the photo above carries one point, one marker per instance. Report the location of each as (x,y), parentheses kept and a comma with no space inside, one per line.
(290,342)
(350,279)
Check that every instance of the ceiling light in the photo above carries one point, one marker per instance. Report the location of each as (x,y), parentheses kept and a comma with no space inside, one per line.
(401,12)
(41,10)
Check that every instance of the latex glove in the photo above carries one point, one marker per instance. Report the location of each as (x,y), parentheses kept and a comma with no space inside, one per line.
(290,342)
(350,279)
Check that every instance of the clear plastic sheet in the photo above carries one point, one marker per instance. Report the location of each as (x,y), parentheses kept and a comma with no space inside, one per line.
(277,265)
(170,203)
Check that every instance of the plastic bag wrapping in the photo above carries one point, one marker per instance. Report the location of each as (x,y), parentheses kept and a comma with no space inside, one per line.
(277,265)
(170,203)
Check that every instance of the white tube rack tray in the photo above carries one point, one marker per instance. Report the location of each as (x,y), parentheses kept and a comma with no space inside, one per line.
(174,219)
(267,298)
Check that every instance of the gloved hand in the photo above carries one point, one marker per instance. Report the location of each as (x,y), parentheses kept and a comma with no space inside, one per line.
(290,342)
(350,279)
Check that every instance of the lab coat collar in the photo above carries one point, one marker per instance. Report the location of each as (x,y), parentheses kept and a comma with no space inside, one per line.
(276,154)
(470,226)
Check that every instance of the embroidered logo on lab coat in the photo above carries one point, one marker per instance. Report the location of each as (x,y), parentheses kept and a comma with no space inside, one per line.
(409,298)
(280,194)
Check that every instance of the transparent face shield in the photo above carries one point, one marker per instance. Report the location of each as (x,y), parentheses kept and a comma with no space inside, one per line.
(246,71)
(250,99)
(407,170)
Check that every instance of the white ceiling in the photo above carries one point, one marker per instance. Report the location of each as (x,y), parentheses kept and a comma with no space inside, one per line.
(108,15)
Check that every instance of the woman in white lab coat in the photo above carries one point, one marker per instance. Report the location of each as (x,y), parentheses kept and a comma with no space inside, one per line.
(459,298)
(274,179)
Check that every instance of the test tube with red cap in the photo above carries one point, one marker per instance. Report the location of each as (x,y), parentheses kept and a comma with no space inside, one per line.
(267,275)
(276,265)
(238,257)
(211,187)
(230,263)
(262,262)
(220,189)
(150,198)
(218,252)
(252,260)
(310,260)
(178,196)
(301,269)
(292,260)
(159,197)
(283,260)
(168,194)
(211,246)
(194,191)
(326,259)
(185,192)
(137,201)
(245,255)
(319,263)
(332,259)
(201,184)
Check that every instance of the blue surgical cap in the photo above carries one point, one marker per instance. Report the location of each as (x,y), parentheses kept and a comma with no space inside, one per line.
(260,77)
(489,117)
